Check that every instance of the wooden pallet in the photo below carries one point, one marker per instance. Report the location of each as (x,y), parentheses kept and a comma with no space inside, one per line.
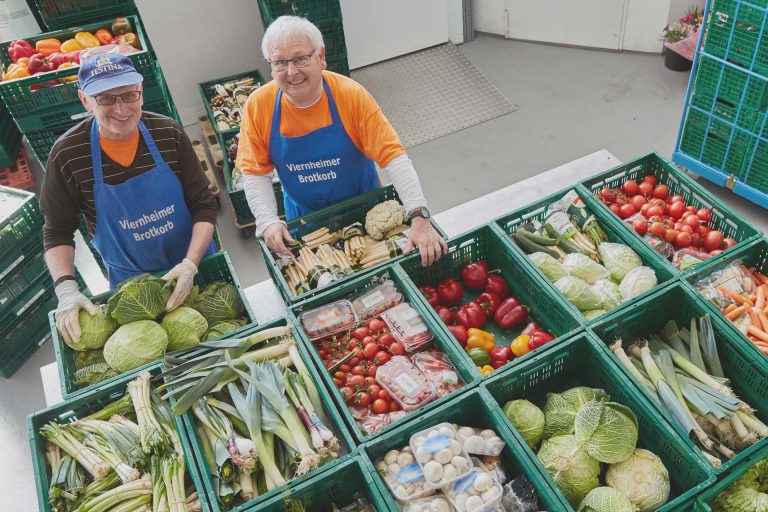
(211,141)
(213,185)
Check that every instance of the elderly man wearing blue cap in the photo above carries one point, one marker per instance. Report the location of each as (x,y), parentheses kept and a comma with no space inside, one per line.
(137,181)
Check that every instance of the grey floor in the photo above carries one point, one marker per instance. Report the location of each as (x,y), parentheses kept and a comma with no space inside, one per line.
(571,102)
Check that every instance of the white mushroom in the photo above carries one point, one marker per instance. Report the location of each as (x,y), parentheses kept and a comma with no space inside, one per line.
(460,500)
(405,458)
(433,471)
(401,492)
(381,467)
(474,444)
(483,482)
(439,505)
(393,469)
(466,431)
(474,503)
(423,455)
(490,495)
(488,433)
(461,464)
(455,447)
(449,472)
(391,457)
(444,456)
(446,431)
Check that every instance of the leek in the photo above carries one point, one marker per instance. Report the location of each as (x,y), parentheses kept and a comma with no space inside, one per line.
(153,438)
(709,348)
(695,356)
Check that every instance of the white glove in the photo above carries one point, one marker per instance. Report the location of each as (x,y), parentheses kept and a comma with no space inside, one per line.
(184,274)
(70,302)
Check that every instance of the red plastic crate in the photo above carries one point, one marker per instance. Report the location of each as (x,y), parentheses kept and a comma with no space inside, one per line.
(20,175)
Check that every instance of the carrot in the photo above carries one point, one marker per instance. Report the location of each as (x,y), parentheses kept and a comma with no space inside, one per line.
(763,319)
(758,333)
(763,347)
(754,320)
(760,299)
(734,296)
(736,313)
(730,308)
(761,277)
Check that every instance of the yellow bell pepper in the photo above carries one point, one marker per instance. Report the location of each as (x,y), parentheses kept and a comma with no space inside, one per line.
(87,40)
(485,370)
(519,345)
(45,47)
(71,78)
(14,71)
(480,339)
(70,45)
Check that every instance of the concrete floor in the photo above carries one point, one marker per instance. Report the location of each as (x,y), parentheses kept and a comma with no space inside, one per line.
(571,103)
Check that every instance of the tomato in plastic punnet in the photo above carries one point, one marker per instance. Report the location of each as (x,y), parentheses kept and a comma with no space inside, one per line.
(638,201)
(372,370)
(661,191)
(650,178)
(627,210)
(704,214)
(728,243)
(354,362)
(630,187)
(386,339)
(376,325)
(345,368)
(677,209)
(641,226)
(394,406)
(360,332)
(367,341)
(374,389)
(396,349)
(370,350)
(713,240)
(381,357)
(380,406)
(646,188)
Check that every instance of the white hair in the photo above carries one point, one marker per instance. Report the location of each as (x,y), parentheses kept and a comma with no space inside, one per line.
(287,28)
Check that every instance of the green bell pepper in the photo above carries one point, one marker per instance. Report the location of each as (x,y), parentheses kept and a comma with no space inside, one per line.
(479,356)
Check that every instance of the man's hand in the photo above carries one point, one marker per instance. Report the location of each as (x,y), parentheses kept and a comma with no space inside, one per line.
(275,235)
(184,274)
(68,310)
(428,241)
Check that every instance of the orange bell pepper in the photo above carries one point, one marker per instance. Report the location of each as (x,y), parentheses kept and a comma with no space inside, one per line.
(45,47)
(87,40)
(480,339)
(104,36)
(16,71)
(72,78)
(70,45)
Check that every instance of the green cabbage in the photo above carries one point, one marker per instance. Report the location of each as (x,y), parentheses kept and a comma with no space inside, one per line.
(638,280)
(135,344)
(618,259)
(642,478)
(593,313)
(749,493)
(219,301)
(185,328)
(221,328)
(605,499)
(527,419)
(606,430)
(574,471)
(95,330)
(579,293)
(139,298)
(584,267)
(548,265)
(561,409)
(609,293)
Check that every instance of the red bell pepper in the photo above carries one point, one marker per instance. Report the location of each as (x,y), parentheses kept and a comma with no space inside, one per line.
(74,56)
(460,333)
(19,49)
(57,59)
(500,356)
(450,292)
(448,316)
(489,302)
(471,315)
(531,328)
(475,274)
(498,285)
(39,64)
(539,338)
(510,313)
(430,294)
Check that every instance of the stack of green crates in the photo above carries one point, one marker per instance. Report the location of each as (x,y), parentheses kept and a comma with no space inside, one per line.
(44,109)
(10,139)
(61,14)
(326,14)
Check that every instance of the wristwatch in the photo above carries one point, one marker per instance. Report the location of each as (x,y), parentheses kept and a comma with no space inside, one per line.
(419,212)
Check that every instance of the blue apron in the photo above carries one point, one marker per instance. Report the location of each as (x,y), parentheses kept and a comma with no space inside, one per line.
(143,224)
(320,168)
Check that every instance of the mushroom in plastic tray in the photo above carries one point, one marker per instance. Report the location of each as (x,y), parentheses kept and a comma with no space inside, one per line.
(477,491)
(328,319)
(403,475)
(407,326)
(440,454)
(480,441)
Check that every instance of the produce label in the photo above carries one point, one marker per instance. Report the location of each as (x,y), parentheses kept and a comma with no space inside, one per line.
(373,300)
(561,224)
(410,474)
(408,384)
(437,443)
(464,483)
(733,285)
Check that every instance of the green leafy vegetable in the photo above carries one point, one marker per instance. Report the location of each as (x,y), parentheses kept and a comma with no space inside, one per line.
(548,265)
(608,292)
(606,430)
(185,328)
(219,301)
(579,293)
(561,409)
(95,330)
(135,344)
(642,478)
(638,280)
(527,419)
(139,298)
(221,328)
(585,268)
(605,499)
(572,469)
(618,259)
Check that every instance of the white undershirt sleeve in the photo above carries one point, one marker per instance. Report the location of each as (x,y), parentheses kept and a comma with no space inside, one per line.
(406,182)
(261,199)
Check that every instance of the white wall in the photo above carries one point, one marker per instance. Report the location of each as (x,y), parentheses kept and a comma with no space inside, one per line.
(488,16)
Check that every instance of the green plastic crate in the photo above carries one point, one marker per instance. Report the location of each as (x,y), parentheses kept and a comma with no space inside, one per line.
(731,83)
(752,255)
(335,218)
(79,407)
(338,63)
(735,36)
(17,259)
(192,440)
(507,224)
(708,496)
(321,493)
(333,35)
(581,361)
(208,91)
(313,10)
(19,227)
(723,218)
(17,279)
(10,138)
(748,379)
(485,243)
(708,136)
(754,169)
(217,267)
(61,14)
(243,214)
(442,342)
(473,408)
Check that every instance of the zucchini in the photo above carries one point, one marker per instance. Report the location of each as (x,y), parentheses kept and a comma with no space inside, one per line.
(536,238)
(529,246)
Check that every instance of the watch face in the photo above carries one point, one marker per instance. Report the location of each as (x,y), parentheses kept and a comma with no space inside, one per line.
(421,212)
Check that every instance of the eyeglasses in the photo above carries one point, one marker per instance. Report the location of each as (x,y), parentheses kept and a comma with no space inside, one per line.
(301,61)
(111,99)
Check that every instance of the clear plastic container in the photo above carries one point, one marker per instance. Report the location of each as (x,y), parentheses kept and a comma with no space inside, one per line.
(405,383)
(407,326)
(439,453)
(478,441)
(328,319)
(403,475)
(436,503)
(439,370)
(477,491)
(375,301)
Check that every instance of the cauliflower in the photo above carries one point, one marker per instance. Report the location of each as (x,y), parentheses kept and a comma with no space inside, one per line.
(384,217)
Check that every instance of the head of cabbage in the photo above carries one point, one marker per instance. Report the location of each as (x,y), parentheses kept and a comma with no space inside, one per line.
(219,301)
(606,430)
(618,259)
(605,499)
(95,330)
(135,344)
(185,328)
(579,293)
(139,298)
(548,265)
(585,268)
(221,328)
(608,292)
(642,478)
(561,409)
(637,281)
(574,471)
(527,419)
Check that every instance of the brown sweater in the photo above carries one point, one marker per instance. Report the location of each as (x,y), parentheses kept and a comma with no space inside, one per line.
(67,188)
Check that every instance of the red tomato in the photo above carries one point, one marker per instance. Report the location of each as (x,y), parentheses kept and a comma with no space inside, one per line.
(650,178)
(704,214)
(713,240)
(345,368)
(638,201)
(658,229)
(346,393)
(396,349)
(394,406)
(384,395)
(670,235)
(338,383)
(360,332)
(728,243)
(655,211)
(361,399)
(369,352)
(658,202)
(381,357)
(630,187)
(627,210)
(685,228)
(641,226)
(608,194)
(677,209)
(354,344)
(358,370)
(375,389)
(677,198)
(376,325)
(715,252)
(342,376)
(370,381)
(691,208)
(356,381)
(386,339)
(646,188)
(683,240)
(644,209)
(372,370)
(324,354)
(679,226)
(704,229)
(693,221)
(354,362)
(380,406)
(368,340)
(621,200)
(614,209)
(661,191)
(696,240)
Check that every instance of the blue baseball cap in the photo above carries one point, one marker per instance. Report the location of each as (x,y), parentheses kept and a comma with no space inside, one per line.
(106,71)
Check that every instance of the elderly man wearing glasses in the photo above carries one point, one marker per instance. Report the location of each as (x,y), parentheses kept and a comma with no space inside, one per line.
(135,178)
(322,133)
